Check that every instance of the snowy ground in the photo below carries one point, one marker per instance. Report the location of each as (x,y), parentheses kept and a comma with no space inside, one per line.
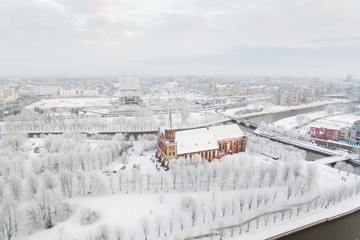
(213,195)
(130,211)
(71,103)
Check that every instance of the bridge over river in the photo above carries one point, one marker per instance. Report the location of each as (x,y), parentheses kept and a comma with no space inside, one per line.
(333,159)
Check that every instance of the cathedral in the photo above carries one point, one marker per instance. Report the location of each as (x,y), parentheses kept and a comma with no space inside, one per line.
(208,142)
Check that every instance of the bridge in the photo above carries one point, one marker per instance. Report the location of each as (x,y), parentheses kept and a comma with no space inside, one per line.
(244,122)
(296,142)
(333,159)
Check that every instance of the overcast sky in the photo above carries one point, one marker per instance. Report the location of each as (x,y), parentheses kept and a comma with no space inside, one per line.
(160,37)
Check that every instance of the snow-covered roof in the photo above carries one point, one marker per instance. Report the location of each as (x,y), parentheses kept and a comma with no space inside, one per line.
(195,140)
(226,131)
(336,122)
(203,139)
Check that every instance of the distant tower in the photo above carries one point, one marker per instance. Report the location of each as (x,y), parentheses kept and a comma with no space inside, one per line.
(170,131)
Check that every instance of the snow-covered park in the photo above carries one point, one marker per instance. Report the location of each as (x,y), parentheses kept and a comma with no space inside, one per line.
(74,187)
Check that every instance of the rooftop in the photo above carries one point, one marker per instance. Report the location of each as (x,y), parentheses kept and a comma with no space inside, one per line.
(204,139)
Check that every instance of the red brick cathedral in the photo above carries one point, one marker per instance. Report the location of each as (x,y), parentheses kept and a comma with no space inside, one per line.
(209,143)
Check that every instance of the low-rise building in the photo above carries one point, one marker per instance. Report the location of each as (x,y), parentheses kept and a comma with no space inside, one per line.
(45,90)
(348,134)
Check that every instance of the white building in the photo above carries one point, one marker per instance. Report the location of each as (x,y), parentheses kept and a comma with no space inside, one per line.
(89,92)
(45,90)
(79,92)
(68,93)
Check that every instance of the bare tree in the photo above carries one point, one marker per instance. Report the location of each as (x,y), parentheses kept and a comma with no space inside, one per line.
(80,177)
(221,230)
(1,189)
(181,222)
(145,227)
(283,213)
(316,202)
(257,219)
(175,172)
(275,216)
(158,222)
(209,177)
(290,189)
(15,139)
(47,205)
(250,200)
(119,233)
(15,183)
(297,169)
(290,212)
(266,198)
(213,210)
(233,206)
(48,180)
(241,202)
(236,176)
(9,220)
(171,221)
(248,176)
(224,207)
(149,176)
(33,183)
(247,226)
(308,206)
(266,219)
(299,207)
(272,174)
(329,197)
(194,213)
(232,229)
(286,172)
(262,173)
(259,199)
(61,233)
(87,216)
(103,232)
(66,181)
(224,175)
(132,234)
(274,195)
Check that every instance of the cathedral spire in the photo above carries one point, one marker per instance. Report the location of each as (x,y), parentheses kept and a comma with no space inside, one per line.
(170,120)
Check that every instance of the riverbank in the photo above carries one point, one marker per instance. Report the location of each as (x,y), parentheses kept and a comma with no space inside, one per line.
(280,109)
(342,209)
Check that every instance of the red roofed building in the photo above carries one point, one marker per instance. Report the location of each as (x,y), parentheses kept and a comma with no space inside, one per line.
(325,133)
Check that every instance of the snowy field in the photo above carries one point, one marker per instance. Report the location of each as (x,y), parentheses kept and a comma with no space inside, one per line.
(246,194)
(72,103)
